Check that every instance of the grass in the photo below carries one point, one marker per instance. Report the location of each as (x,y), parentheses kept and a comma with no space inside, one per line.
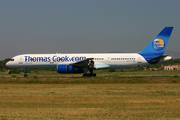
(91,80)
(90,101)
(126,95)
(100,73)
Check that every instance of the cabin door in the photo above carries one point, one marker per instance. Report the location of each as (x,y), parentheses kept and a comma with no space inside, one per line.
(139,60)
(108,59)
(21,60)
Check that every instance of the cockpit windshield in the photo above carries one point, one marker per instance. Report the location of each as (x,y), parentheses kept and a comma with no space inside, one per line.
(12,60)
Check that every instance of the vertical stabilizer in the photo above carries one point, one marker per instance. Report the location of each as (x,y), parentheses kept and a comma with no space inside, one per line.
(158,45)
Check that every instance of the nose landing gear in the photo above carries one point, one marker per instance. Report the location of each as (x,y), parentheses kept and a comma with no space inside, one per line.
(24,69)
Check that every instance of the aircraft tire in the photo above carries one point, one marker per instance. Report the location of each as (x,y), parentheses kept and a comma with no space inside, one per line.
(94,74)
(89,75)
(85,75)
(25,75)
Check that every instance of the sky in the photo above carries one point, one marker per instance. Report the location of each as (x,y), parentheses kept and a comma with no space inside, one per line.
(85,26)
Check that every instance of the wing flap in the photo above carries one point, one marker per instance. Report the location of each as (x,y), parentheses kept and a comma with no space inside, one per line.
(82,62)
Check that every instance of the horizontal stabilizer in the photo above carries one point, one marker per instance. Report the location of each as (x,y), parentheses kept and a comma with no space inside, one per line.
(158,58)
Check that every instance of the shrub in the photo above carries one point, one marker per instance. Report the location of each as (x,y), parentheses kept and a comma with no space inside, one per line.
(175,76)
(122,70)
(174,81)
(112,70)
(28,71)
(13,76)
(35,77)
(14,71)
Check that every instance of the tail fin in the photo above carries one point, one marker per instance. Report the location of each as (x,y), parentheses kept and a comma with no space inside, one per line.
(158,45)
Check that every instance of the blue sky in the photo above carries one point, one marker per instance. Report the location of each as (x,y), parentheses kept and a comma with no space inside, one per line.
(73,26)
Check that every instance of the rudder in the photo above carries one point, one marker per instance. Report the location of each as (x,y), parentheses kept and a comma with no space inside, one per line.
(158,45)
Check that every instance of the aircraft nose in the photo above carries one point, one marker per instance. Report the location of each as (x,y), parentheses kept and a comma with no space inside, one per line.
(8,64)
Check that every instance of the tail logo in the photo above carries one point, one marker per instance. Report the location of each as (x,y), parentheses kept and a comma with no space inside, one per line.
(158,44)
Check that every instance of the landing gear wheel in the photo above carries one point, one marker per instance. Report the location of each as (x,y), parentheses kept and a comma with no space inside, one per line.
(89,75)
(25,75)
(85,75)
(94,75)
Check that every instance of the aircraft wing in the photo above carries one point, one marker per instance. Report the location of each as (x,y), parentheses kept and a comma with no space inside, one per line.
(82,62)
(158,57)
(102,66)
(86,62)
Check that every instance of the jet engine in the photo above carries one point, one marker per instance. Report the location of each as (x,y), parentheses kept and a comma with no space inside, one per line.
(68,69)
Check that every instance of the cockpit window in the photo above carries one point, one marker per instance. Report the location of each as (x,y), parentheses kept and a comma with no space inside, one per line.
(12,60)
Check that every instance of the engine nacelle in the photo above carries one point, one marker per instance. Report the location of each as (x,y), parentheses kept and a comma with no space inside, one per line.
(69,69)
(66,69)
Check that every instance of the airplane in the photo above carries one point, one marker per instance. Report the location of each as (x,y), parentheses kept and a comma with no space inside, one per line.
(82,63)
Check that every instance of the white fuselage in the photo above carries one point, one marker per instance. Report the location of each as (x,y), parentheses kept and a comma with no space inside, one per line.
(101,60)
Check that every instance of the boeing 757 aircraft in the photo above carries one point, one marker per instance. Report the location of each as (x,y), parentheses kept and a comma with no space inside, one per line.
(82,63)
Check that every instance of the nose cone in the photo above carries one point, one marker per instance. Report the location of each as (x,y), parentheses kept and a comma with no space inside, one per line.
(8,64)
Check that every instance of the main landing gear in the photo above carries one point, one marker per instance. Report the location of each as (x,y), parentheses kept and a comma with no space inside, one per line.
(91,67)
